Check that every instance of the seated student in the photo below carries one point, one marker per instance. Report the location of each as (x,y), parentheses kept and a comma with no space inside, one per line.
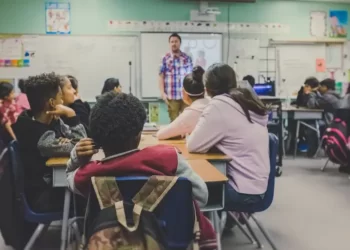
(235,122)
(327,99)
(311,85)
(250,79)
(41,134)
(21,99)
(8,111)
(193,96)
(116,125)
(72,100)
(111,84)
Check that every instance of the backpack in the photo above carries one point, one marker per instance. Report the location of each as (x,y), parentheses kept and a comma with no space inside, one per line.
(122,225)
(334,142)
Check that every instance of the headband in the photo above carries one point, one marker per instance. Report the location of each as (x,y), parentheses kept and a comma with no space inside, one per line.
(202,93)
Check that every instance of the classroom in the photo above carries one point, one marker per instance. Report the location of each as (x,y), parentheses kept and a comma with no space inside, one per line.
(174,124)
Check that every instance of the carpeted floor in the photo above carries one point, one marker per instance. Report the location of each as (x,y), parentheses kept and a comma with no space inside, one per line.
(311,211)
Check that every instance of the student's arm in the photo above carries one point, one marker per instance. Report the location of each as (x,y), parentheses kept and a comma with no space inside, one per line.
(208,131)
(179,127)
(50,146)
(199,188)
(80,156)
(9,130)
(81,111)
(313,101)
(73,129)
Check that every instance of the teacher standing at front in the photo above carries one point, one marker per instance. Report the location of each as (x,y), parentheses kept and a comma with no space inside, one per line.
(174,67)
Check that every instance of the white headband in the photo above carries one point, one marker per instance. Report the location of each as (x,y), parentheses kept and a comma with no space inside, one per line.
(193,94)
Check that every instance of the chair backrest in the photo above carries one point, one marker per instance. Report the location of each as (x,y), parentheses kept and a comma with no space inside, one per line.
(268,198)
(16,166)
(273,148)
(174,212)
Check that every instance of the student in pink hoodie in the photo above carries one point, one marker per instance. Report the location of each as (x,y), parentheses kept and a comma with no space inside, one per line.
(235,122)
(193,96)
(21,99)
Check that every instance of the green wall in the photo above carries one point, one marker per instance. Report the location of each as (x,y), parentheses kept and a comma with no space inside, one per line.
(91,16)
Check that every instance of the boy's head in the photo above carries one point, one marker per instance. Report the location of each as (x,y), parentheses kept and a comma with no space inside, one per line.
(326,85)
(310,84)
(68,91)
(250,79)
(7,92)
(116,122)
(44,92)
(21,85)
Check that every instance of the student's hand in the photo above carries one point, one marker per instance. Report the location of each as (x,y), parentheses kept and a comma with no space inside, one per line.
(307,90)
(62,141)
(61,110)
(86,148)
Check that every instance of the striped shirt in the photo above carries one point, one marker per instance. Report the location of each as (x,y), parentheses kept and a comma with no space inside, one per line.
(175,68)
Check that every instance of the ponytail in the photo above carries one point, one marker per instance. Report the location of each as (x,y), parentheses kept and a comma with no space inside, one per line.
(248,102)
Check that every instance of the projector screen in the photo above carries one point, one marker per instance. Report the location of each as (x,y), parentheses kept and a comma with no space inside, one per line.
(204,49)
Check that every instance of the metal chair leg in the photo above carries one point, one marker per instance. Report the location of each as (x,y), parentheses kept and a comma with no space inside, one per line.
(325,165)
(222,221)
(38,231)
(264,233)
(241,228)
(296,138)
(251,231)
(318,149)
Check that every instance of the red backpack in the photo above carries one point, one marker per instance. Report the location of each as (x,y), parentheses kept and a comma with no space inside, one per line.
(334,142)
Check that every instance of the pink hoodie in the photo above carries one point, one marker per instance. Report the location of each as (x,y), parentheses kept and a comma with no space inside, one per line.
(185,122)
(224,125)
(22,102)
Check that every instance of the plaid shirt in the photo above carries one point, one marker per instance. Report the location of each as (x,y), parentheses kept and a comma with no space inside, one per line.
(174,69)
(8,112)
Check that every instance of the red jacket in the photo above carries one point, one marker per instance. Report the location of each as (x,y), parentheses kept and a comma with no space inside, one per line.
(155,160)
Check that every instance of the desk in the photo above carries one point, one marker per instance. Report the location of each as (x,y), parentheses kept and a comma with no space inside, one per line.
(214,179)
(219,160)
(300,113)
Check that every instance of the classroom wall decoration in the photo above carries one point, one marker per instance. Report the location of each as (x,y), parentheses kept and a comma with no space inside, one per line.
(338,20)
(57,18)
(197,27)
(318,23)
(11,53)
(153,112)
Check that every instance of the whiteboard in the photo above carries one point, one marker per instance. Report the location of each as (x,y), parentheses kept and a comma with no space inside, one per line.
(154,46)
(91,59)
(295,64)
(243,56)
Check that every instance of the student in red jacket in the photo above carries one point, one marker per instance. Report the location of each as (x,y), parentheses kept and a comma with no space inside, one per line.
(116,125)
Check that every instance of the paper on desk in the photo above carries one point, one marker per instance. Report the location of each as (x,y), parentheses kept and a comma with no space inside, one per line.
(320,65)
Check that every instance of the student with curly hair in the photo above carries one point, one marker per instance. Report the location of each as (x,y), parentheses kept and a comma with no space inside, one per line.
(116,125)
(41,134)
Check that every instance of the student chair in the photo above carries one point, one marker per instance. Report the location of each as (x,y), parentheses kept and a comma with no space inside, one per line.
(265,203)
(174,212)
(42,219)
